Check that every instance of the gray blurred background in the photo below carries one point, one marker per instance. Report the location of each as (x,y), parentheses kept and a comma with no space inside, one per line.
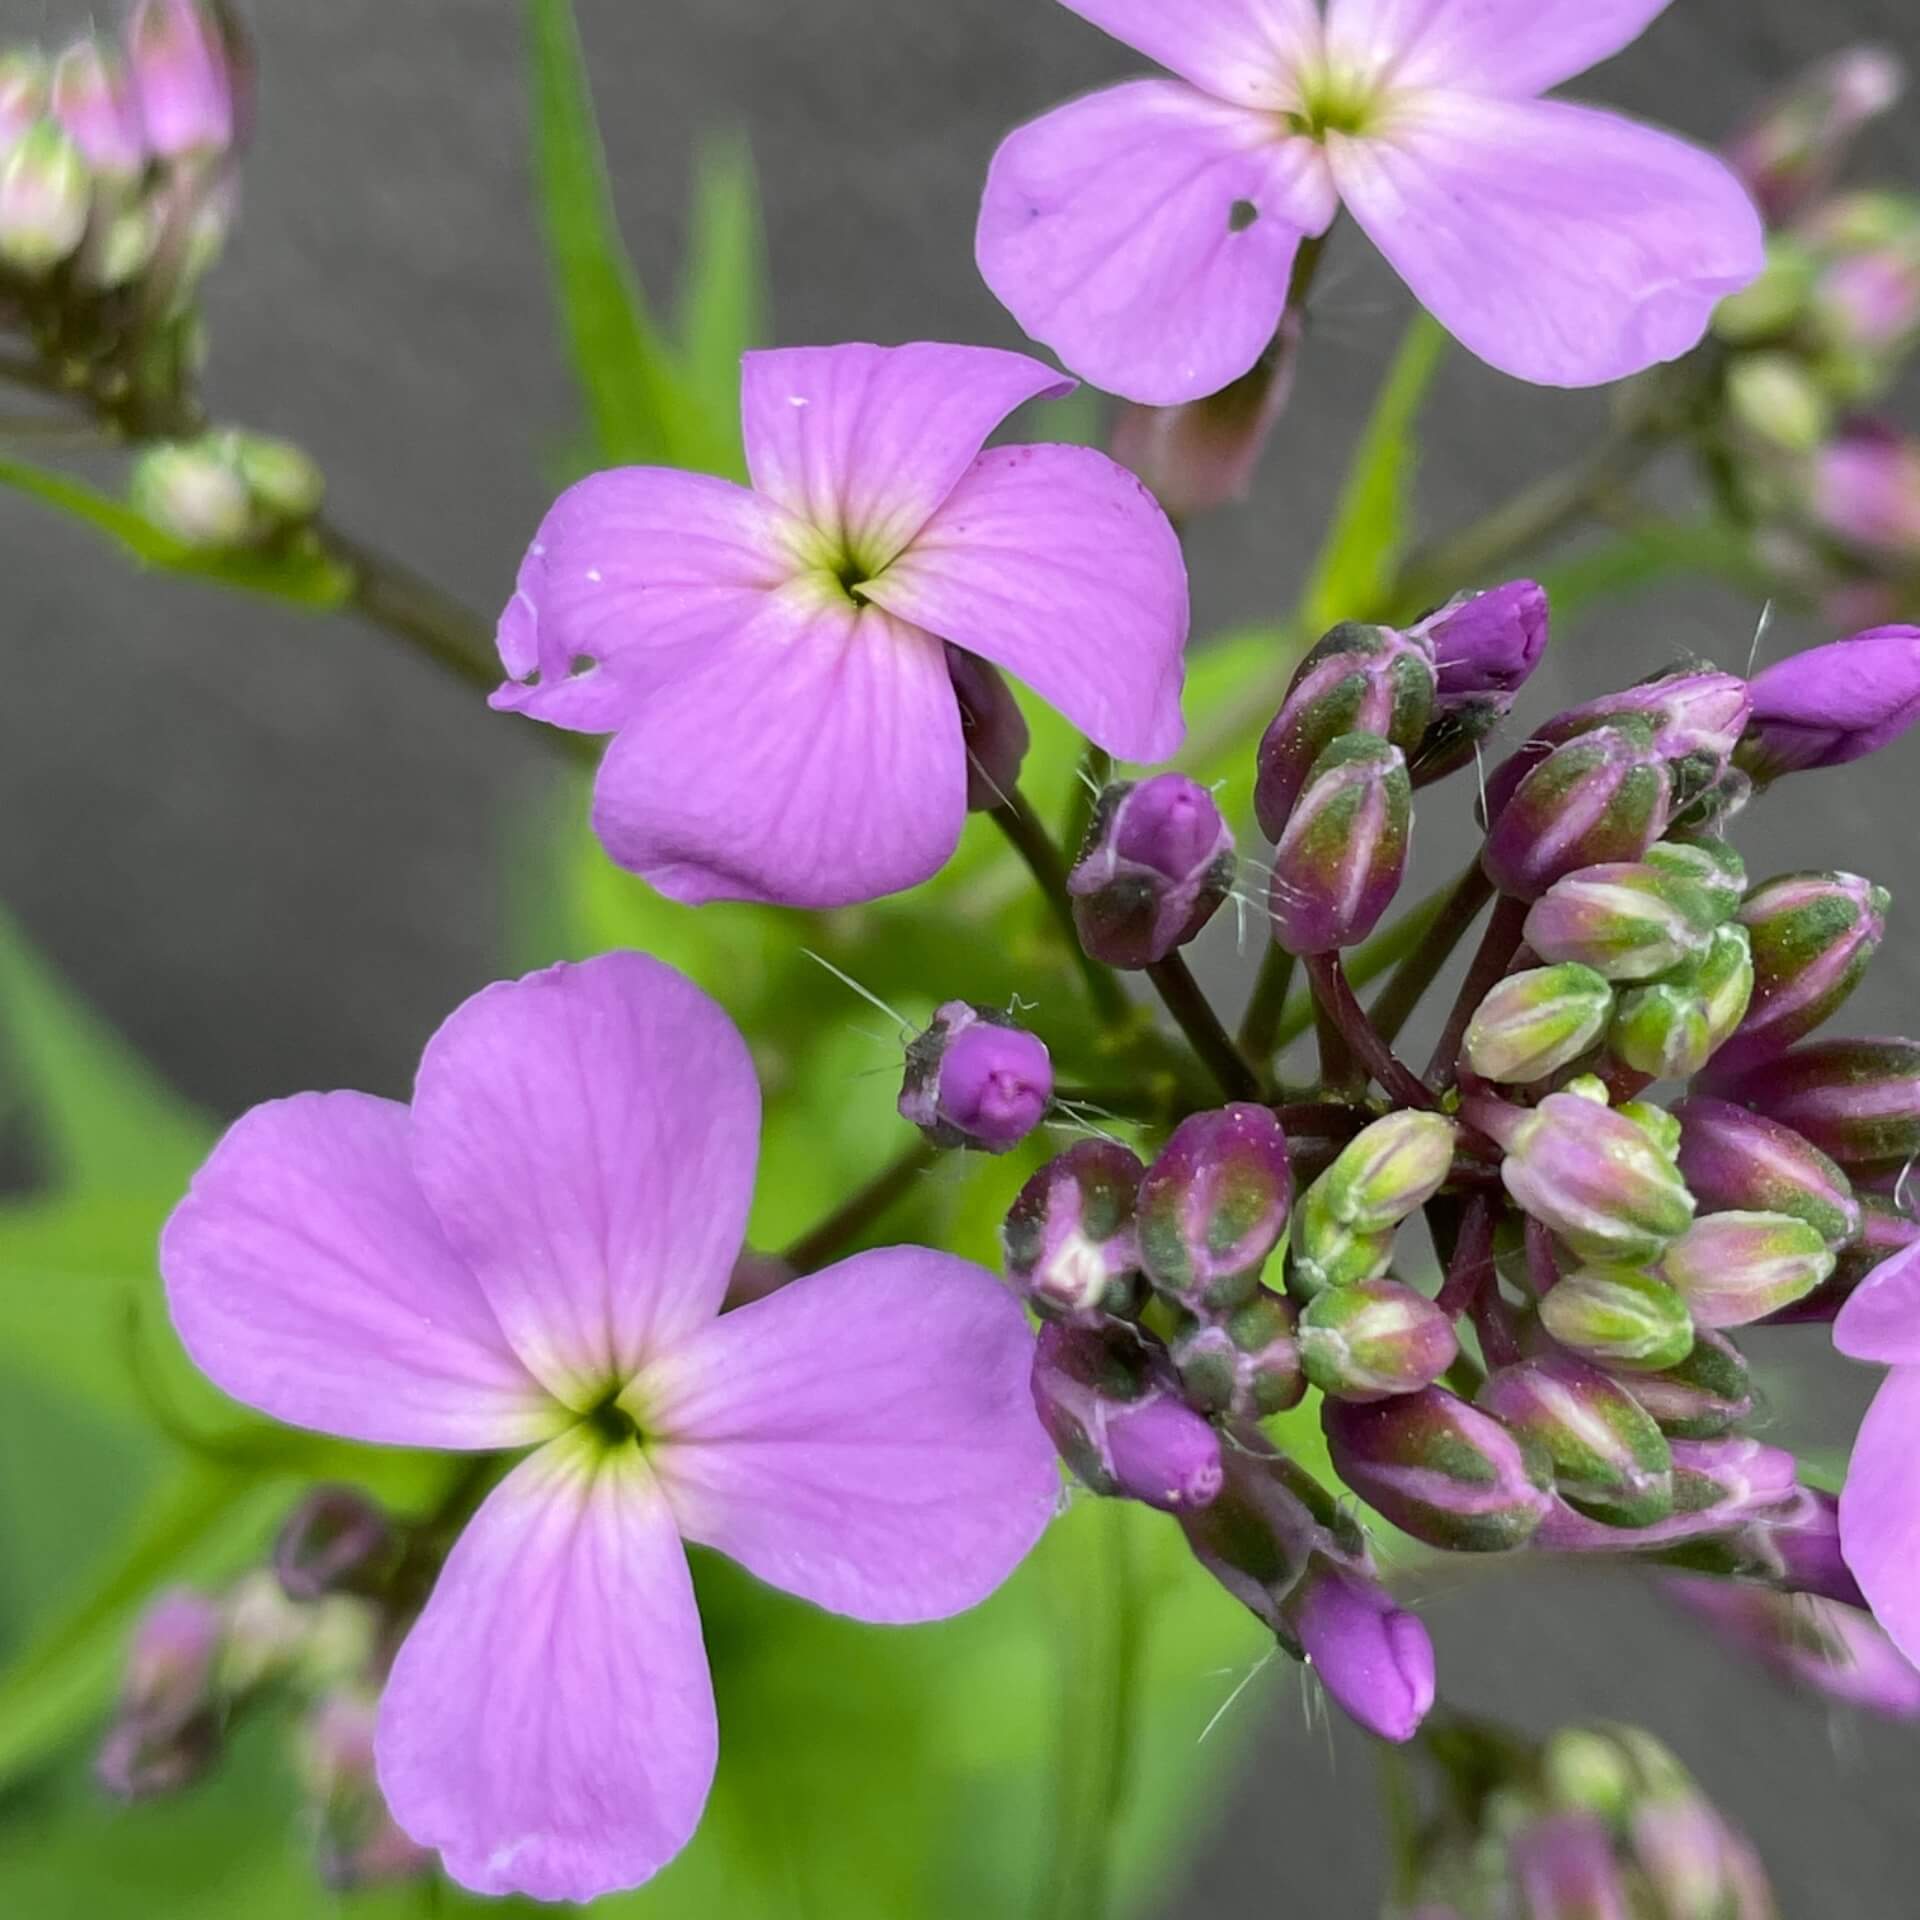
(267,846)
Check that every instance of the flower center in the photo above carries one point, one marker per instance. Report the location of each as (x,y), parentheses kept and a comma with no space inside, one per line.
(842,564)
(611,1422)
(1334,102)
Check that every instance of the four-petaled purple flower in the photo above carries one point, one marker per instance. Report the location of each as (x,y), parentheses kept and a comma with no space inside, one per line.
(1148,233)
(771,660)
(533,1255)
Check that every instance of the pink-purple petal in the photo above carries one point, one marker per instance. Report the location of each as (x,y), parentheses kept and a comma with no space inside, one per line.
(549,1726)
(587,1137)
(1562,245)
(863,443)
(818,762)
(1516,47)
(308,1277)
(632,573)
(864,1438)
(1880,1509)
(1881,1320)
(1060,566)
(1246,51)
(1147,235)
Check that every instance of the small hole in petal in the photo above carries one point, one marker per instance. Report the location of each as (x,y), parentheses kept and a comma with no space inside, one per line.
(1241,215)
(581,663)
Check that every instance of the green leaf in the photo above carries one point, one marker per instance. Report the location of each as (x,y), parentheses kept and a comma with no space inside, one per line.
(1354,574)
(724,306)
(636,391)
(1646,556)
(302,572)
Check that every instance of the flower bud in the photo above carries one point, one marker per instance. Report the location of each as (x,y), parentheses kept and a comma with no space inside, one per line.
(1486,643)
(1389,1170)
(1866,491)
(45,192)
(1592,1176)
(359,1844)
(1157,865)
(1735,1268)
(1800,1550)
(1121,1427)
(1246,1364)
(1775,403)
(1714,867)
(1856,1100)
(266,1634)
(1734,1161)
(1813,936)
(1703,1396)
(1563,1869)
(1343,853)
(1357,680)
(1661,1031)
(1534,1023)
(1620,1317)
(184,76)
(24,93)
(1732,1476)
(1813,1645)
(1834,704)
(1327,1253)
(1213,1206)
(191,491)
(993,728)
(1440,1470)
(1070,1239)
(1689,1859)
(166,1732)
(1603,796)
(976,1080)
(284,484)
(335,1541)
(1697,715)
(1627,921)
(1793,151)
(93,99)
(1375,1339)
(1372,1656)
(1867,300)
(1610,1460)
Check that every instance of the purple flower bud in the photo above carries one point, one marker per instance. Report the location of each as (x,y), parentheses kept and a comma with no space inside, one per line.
(93,99)
(1704,1396)
(1117,1420)
(1375,1339)
(1683,1847)
(335,1541)
(185,78)
(1603,796)
(1621,1317)
(1563,1869)
(23,93)
(993,728)
(1610,1460)
(359,1843)
(1373,1657)
(1802,1547)
(1735,1268)
(1534,1023)
(1791,153)
(1440,1470)
(976,1080)
(1815,1645)
(1734,1161)
(45,192)
(1157,865)
(1487,643)
(1697,713)
(1591,1175)
(1719,1487)
(166,1733)
(1214,1205)
(1343,853)
(1834,704)
(1866,491)
(1202,456)
(1246,1364)
(1357,680)
(1627,921)
(1857,1100)
(1868,301)
(1070,1239)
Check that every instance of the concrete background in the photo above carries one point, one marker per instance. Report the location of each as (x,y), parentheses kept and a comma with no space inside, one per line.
(268,846)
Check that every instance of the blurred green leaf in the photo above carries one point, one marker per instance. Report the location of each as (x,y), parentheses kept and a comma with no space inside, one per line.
(1647,556)
(724,307)
(302,572)
(1354,574)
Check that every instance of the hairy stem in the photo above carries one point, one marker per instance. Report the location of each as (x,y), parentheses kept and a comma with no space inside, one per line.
(1367,963)
(1180,992)
(1421,968)
(1032,842)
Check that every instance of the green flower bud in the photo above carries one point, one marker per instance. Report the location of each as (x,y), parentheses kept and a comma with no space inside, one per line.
(1534,1023)
(1701,1397)
(1774,399)
(1246,1365)
(191,491)
(1661,1030)
(45,191)
(1327,1253)
(1735,1268)
(1375,1339)
(1619,1317)
(1714,866)
(1388,1171)
(286,485)
(1629,921)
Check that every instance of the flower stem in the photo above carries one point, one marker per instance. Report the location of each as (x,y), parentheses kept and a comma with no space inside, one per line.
(1260,1024)
(1418,971)
(861,1210)
(1471,1264)
(1032,842)
(1174,982)
(1334,992)
(1367,963)
(1497,947)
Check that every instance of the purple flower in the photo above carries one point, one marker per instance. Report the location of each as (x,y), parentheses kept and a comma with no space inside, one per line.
(1866,490)
(1148,233)
(771,660)
(533,1255)
(1834,704)
(184,77)
(1880,1504)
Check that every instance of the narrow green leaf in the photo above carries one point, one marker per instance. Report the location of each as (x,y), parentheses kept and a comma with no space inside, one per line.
(725,307)
(301,573)
(1369,534)
(1644,557)
(635,390)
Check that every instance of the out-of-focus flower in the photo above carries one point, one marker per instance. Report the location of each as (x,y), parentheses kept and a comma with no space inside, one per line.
(1792,151)
(1866,491)
(974,1079)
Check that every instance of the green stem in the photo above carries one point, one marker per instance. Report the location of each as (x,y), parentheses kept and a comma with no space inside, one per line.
(1418,971)
(1260,1024)
(1032,842)
(1174,982)
(1367,963)
(1096,769)
(861,1210)
(1400,1808)
(1498,945)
